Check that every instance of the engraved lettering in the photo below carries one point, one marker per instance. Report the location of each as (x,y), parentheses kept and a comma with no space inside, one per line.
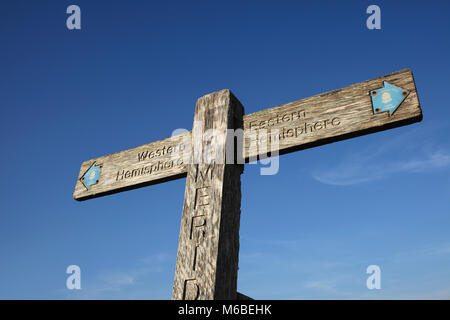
(194,262)
(163,151)
(201,197)
(318,126)
(120,174)
(290,133)
(191,290)
(198,228)
(335,122)
(277,119)
(203,173)
(142,155)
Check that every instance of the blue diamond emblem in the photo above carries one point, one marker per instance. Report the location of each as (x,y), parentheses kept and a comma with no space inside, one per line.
(91,176)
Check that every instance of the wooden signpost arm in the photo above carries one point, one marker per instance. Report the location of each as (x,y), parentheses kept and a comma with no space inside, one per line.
(321,119)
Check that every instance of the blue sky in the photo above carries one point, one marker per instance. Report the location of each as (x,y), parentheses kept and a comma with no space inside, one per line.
(132,75)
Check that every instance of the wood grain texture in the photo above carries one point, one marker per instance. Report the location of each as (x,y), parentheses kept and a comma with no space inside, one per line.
(331,116)
(208,246)
(306,123)
(155,162)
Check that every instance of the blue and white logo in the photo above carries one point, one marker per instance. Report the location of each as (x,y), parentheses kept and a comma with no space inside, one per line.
(91,176)
(387,98)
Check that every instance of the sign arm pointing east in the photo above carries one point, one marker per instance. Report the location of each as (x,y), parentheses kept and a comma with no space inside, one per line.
(328,117)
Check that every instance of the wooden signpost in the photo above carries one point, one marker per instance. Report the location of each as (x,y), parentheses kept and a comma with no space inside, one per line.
(208,246)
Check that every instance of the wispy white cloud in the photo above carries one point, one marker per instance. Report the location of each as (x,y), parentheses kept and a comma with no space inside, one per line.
(403,154)
(423,253)
(156,259)
(332,286)
(116,283)
(113,282)
(322,285)
(344,276)
(353,172)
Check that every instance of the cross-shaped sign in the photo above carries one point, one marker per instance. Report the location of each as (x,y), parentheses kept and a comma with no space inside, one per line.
(212,158)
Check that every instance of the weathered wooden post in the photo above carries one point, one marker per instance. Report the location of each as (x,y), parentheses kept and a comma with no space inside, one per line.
(207,260)
(208,247)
